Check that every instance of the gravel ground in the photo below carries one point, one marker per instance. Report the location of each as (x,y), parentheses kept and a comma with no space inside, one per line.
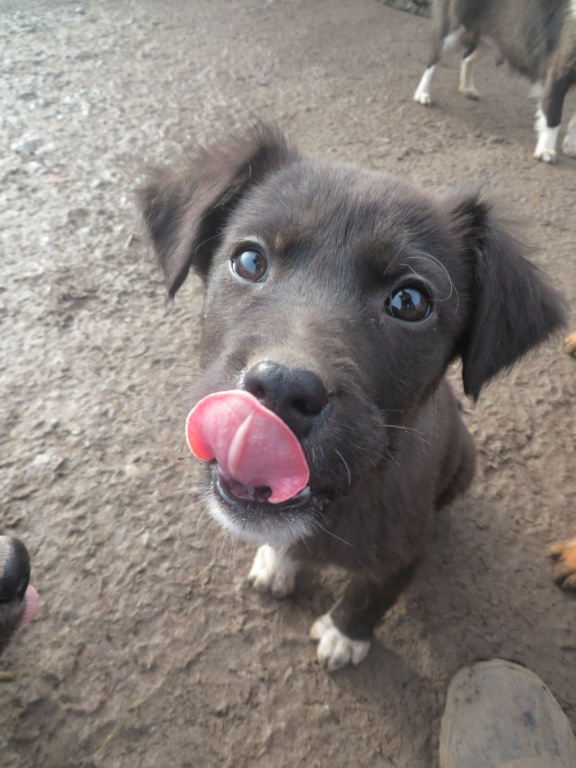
(149,648)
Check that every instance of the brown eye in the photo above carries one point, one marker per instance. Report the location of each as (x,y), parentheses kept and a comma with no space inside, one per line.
(410,303)
(250,265)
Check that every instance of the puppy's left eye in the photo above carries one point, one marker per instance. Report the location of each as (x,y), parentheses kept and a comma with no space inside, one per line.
(250,265)
(410,303)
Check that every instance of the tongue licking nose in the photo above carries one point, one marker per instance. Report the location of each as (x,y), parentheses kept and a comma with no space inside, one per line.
(252,445)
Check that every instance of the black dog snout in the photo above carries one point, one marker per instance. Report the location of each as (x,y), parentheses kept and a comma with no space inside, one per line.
(14,569)
(298,396)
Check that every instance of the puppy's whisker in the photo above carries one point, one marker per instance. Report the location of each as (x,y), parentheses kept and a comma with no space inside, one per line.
(225,540)
(203,514)
(346,465)
(232,553)
(207,495)
(403,428)
(416,433)
(186,367)
(175,514)
(428,257)
(205,242)
(348,544)
(187,508)
(210,523)
(453,289)
(181,490)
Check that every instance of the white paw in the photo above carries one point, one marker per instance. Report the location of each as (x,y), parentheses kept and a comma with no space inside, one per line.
(470,92)
(547,138)
(546,155)
(421,97)
(335,650)
(273,572)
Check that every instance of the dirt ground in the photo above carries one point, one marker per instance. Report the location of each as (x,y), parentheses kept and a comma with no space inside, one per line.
(149,648)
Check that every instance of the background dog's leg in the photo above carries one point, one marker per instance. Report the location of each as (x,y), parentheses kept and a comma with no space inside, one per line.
(569,144)
(547,138)
(442,41)
(472,55)
(422,94)
(273,571)
(548,118)
(344,634)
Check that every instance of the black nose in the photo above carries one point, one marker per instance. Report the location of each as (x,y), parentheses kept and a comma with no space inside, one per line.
(296,395)
(14,569)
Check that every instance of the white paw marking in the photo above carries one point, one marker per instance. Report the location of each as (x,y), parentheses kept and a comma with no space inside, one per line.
(547,137)
(546,156)
(423,98)
(273,572)
(422,95)
(467,86)
(335,650)
(470,92)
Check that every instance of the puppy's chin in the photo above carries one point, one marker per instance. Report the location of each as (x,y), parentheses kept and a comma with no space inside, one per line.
(262,523)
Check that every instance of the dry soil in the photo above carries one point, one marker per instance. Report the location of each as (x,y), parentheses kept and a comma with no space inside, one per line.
(149,648)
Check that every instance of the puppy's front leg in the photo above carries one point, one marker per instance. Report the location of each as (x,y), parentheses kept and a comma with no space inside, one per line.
(344,634)
(273,571)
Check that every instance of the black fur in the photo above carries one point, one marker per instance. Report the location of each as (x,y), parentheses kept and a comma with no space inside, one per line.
(382,431)
(14,578)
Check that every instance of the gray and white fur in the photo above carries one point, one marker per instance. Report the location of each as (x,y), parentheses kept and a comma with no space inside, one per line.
(537,38)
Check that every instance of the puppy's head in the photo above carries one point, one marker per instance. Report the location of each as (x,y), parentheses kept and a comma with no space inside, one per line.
(337,297)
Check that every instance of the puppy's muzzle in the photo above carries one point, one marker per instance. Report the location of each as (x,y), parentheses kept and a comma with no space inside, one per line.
(297,395)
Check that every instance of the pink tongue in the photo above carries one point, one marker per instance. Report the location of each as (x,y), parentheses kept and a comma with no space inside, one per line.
(250,443)
(31,602)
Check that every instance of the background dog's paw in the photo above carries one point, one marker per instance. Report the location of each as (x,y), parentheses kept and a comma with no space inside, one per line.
(335,650)
(565,566)
(470,92)
(422,97)
(273,572)
(546,155)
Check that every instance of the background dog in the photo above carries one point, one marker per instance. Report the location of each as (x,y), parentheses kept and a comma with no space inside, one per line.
(536,37)
(336,297)
(18,599)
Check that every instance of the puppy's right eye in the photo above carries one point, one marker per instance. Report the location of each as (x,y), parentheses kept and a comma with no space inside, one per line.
(250,265)
(411,304)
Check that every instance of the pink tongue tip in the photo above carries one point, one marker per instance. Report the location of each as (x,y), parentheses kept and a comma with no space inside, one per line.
(31,603)
(251,444)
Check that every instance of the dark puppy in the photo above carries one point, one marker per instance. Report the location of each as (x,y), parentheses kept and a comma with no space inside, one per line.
(337,297)
(536,37)
(18,600)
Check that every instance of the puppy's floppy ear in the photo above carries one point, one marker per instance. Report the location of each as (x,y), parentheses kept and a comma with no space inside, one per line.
(185,209)
(513,307)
